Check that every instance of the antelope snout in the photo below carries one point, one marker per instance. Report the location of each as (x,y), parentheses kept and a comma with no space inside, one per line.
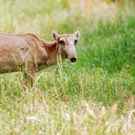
(73,59)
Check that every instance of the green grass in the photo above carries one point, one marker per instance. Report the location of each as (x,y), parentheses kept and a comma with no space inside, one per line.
(93,96)
(105,67)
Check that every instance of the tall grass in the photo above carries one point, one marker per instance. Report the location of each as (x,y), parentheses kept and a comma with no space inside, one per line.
(93,96)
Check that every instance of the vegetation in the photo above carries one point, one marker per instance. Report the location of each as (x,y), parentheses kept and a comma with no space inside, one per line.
(93,96)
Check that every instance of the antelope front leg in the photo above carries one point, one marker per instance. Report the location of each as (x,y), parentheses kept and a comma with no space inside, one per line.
(28,76)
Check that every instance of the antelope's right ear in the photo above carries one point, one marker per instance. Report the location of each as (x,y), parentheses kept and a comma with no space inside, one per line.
(77,34)
(56,35)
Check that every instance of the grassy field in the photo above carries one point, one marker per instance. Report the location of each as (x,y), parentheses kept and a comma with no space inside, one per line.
(94,96)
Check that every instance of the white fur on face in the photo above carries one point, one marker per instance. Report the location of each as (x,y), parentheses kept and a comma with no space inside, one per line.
(70,47)
(68,42)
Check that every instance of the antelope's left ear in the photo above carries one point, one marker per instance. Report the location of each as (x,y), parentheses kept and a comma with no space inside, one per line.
(56,35)
(77,34)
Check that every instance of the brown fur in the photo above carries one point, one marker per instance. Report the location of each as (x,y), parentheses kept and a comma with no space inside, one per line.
(26,52)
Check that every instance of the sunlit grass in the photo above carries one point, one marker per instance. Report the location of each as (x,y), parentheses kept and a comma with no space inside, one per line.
(38,114)
(94,96)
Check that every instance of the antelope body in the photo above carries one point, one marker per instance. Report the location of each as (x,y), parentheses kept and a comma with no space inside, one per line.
(26,52)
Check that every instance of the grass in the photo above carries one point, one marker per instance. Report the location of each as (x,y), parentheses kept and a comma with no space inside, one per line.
(93,96)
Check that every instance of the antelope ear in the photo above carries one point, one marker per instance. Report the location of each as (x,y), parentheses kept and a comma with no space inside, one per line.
(56,35)
(77,34)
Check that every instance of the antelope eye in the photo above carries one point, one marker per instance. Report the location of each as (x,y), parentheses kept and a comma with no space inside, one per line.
(62,42)
(75,41)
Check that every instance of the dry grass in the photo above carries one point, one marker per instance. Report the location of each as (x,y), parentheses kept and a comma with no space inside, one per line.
(36,114)
(95,96)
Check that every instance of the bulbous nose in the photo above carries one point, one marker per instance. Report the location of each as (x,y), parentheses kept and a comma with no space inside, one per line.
(73,59)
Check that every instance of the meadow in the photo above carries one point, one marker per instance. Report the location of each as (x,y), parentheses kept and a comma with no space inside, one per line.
(94,96)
